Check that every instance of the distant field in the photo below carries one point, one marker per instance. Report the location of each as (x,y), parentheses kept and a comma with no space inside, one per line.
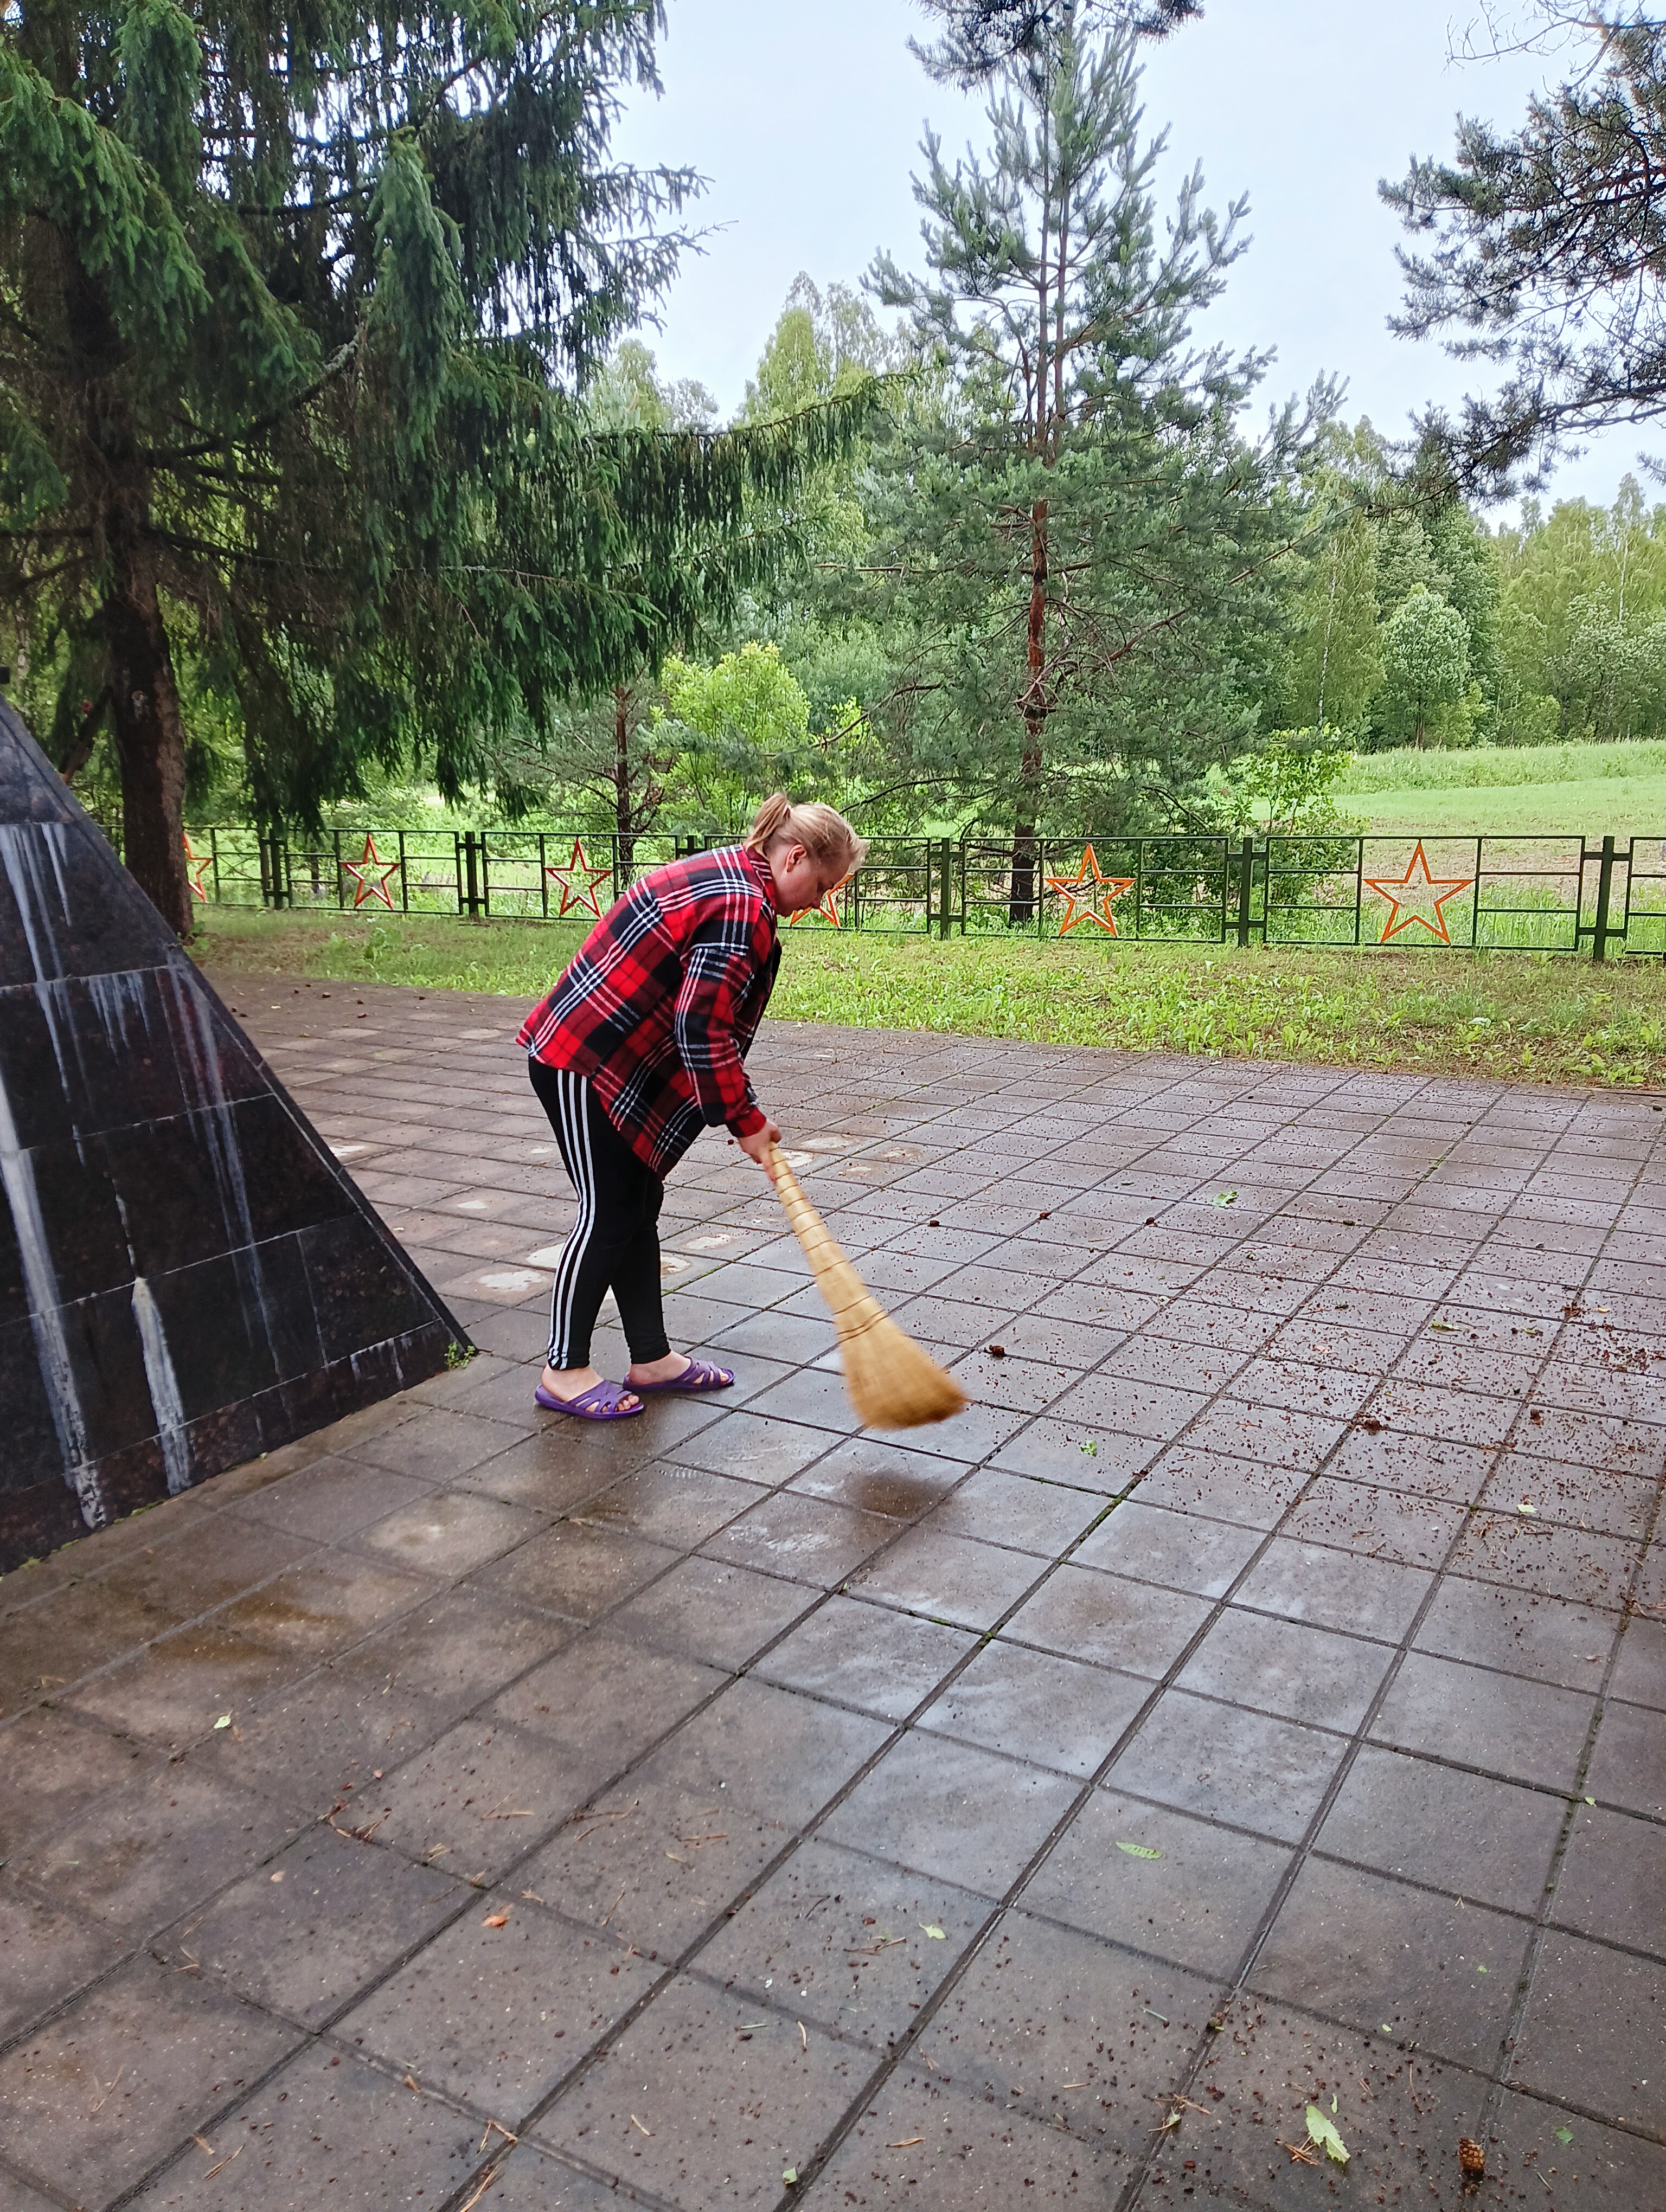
(1513,790)
(1635,806)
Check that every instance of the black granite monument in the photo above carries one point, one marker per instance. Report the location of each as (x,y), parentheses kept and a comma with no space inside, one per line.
(187,1277)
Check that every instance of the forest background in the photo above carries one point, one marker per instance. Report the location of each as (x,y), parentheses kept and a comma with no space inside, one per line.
(1063,579)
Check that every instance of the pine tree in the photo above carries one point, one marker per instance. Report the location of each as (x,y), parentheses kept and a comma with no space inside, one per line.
(1084,560)
(294,312)
(1539,249)
(979,36)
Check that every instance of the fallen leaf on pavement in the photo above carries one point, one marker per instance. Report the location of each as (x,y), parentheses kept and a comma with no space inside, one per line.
(1324,2135)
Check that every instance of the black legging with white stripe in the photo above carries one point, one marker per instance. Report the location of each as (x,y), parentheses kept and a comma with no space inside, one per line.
(615,1243)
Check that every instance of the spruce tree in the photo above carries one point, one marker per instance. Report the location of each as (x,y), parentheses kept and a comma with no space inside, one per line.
(294,312)
(1082,564)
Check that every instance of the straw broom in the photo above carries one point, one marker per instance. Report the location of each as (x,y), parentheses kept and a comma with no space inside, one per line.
(893,1385)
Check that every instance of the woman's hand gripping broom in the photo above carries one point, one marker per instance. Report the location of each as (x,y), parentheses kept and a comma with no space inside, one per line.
(893,1385)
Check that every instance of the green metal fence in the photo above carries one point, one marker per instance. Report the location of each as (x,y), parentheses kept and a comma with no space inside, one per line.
(1525,894)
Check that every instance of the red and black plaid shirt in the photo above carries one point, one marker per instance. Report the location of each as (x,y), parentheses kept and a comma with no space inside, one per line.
(663,999)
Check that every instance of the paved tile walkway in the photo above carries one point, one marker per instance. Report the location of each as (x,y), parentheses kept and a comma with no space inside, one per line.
(1258,1697)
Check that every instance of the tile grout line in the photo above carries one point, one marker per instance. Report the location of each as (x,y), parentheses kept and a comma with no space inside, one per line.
(831,2144)
(835,1444)
(1131,2191)
(730,1676)
(966,1660)
(828,2148)
(1505,2065)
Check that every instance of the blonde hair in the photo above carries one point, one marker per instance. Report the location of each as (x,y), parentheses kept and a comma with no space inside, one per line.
(822,831)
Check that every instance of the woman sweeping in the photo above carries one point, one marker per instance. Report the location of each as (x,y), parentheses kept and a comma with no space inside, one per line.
(639,1046)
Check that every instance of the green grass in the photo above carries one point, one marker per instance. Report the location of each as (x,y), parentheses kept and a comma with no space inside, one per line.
(1596,808)
(1549,1018)
(1512,790)
(1405,768)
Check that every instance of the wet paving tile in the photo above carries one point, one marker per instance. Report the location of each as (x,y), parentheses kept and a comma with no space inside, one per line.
(1085,1613)
(303,1933)
(1501,1723)
(90,2102)
(1369,1951)
(1487,1842)
(947,1578)
(848,1943)
(544,1990)
(704,2101)
(1288,1668)
(1160,1883)
(1590,2029)
(1038,1706)
(867,1655)
(329,2121)
(1244,1769)
(953,1811)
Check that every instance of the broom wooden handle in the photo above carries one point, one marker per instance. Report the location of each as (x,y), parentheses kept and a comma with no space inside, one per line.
(854,1306)
(807,1225)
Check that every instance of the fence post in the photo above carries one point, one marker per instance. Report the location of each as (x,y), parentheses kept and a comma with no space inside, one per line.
(468,876)
(946,916)
(341,888)
(404,880)
(1246,877)
(1599,949)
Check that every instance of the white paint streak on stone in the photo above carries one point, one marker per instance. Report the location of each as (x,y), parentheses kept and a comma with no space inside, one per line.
(164,1388)
(45,1318)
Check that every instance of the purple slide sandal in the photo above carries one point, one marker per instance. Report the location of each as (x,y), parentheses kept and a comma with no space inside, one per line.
(598,1403)
(694,1377)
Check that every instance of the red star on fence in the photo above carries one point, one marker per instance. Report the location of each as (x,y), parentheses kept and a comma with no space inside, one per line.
(1416,881)
(361,871)
(574,894)
(828,907)
(1088,894)
(197,866)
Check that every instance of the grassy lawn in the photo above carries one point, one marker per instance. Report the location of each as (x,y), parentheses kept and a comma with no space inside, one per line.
(1547,1018)
(1594,808)
(1512,790)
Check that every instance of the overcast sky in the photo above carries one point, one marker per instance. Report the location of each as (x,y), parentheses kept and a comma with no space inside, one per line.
(805,115)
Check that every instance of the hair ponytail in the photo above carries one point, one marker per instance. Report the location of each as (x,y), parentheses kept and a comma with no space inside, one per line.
(822,831)
(768,823)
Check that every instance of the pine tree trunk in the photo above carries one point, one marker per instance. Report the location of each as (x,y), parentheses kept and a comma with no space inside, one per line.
(144,711)
(1021,907)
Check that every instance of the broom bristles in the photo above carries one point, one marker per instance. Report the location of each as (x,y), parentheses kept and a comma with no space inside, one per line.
(893,1385)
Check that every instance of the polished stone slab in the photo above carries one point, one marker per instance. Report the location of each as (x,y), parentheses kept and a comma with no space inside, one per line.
(188,1276)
